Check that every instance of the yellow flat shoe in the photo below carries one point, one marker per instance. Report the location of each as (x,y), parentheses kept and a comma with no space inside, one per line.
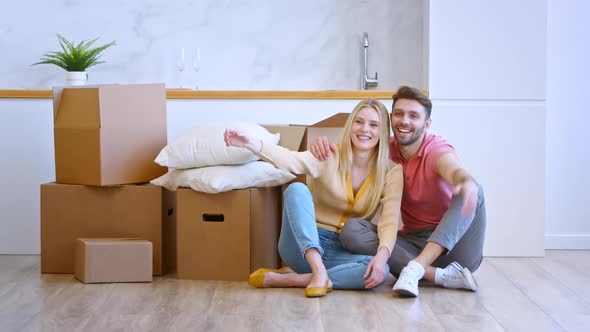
(256,279)
(318,291)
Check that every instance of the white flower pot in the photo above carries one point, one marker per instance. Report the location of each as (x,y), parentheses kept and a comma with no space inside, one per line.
(76,77)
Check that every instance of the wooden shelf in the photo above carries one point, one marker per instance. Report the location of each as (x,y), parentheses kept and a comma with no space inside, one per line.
(32,94)
(231,94)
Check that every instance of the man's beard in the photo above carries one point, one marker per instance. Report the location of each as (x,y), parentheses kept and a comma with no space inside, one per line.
(411,140)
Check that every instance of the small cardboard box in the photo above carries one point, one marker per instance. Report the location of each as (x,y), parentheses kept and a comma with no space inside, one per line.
(109,134)
(228,235)
(113,260)
(69,212)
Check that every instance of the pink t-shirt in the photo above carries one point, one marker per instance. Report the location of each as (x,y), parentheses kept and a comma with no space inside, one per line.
(426,195)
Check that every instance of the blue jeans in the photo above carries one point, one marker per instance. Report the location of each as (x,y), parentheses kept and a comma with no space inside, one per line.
(299,233)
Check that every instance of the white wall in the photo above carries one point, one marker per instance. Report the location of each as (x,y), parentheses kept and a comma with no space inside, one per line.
(487,82)
(245,45)
(567,138)
(26,147)
(487,50)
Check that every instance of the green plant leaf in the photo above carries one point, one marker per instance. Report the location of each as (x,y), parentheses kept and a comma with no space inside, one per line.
(75,56)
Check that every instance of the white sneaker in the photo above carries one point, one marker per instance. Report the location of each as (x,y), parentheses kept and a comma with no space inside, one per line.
(457,277)
(407,283)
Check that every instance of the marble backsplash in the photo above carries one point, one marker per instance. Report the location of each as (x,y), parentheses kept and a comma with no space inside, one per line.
(244,44)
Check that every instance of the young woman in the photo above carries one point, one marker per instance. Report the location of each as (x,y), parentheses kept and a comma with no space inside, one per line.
(356,180)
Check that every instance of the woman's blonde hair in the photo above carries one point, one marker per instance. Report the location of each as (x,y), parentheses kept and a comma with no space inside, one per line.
(379,163)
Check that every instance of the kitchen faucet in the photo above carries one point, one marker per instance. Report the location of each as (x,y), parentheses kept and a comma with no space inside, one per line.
(367,81)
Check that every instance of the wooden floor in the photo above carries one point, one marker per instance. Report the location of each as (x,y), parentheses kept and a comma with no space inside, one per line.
(516,294)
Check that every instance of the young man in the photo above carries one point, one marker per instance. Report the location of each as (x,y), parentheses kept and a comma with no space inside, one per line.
(442,209)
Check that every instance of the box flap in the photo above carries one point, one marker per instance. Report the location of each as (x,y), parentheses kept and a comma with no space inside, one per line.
(336,120)
(122,105)
(333,135)
(291,136)
(100,105)
(77,108)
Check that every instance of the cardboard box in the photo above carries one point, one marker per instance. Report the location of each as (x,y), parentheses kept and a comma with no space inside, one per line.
(113,260)
(330,127)
(291,135)
(69,212)
(299,138)
(292,139)
(228,235)
(109,134)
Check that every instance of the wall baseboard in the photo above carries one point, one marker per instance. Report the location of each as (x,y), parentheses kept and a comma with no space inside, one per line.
(567,241)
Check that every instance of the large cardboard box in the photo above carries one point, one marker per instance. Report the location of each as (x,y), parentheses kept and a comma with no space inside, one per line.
(69,212)
(228,235)
(109,134)
(113,260)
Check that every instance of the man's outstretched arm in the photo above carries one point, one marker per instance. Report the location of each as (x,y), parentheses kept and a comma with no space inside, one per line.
(450,169)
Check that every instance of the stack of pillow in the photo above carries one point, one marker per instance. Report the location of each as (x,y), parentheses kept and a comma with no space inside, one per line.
(199,159)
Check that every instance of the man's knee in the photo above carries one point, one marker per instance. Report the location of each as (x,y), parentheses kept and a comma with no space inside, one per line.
(474,265)
(480,195)
(357,237)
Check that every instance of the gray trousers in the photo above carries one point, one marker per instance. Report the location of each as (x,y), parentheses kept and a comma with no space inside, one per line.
(461,236)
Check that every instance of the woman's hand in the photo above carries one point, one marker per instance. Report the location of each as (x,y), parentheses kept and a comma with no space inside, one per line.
(239,139)
(376,271)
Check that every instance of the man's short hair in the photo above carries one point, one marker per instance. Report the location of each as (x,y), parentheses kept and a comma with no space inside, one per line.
(406,92)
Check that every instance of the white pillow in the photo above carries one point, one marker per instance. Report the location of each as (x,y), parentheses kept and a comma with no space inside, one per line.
(216,179)
(203,145)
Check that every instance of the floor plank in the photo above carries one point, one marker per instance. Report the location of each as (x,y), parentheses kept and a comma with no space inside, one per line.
(512,309)
(552,296)
(290,310)
(571,268)
(459,310)
(515,294)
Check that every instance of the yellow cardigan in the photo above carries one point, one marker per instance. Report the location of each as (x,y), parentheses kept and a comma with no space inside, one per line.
(333,198)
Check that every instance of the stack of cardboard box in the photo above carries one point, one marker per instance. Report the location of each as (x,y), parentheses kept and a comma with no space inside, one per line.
(100,207)
(106,138)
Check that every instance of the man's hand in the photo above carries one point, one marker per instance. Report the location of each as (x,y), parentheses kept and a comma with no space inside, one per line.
(376,270)
(321,148)
(450,169)
(468,189)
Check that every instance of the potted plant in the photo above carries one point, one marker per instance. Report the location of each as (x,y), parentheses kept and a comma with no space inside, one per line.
(75,58)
